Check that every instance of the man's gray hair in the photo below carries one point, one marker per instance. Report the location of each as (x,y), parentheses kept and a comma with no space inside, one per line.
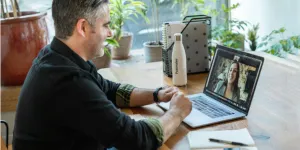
(66,13)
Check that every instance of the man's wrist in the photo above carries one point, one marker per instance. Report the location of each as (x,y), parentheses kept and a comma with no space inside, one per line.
(176,113)
(155,94)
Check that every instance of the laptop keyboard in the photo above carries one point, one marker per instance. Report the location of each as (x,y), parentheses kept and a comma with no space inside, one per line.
(208,108)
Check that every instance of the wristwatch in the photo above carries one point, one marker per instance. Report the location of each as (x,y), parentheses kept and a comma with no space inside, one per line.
(155,94)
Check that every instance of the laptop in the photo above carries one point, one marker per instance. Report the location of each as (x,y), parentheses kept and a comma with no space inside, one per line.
(228,90)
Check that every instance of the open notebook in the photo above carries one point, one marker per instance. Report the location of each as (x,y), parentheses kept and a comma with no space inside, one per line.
(200,139)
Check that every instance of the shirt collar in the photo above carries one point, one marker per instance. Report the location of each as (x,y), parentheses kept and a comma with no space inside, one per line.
(61,48)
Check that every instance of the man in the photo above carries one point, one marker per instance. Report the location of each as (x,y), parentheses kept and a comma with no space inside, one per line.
(66,105)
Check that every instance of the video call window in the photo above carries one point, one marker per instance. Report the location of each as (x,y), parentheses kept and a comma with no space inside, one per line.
(232,78)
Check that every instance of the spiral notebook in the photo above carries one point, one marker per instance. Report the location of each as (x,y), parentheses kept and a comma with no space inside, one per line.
(169,29)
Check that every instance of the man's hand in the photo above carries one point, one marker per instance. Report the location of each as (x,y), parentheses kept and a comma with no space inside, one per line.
(166,93)
(180,105)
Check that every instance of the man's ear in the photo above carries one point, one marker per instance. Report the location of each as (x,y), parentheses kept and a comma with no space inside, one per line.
(81,27)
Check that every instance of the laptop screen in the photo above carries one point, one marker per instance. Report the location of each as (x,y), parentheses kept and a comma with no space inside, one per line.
(233,77)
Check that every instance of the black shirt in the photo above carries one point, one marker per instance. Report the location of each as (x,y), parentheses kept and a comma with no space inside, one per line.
(65,104)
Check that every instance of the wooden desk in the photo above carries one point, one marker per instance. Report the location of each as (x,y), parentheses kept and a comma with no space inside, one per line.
(274,117)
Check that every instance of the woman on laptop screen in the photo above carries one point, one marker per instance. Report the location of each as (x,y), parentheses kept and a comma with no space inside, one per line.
(229,87)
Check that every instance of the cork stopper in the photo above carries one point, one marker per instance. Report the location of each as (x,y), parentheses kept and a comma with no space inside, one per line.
(177,36)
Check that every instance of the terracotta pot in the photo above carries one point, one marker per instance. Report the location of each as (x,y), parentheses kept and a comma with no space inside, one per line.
(125,43)
(21,40)
(152,53)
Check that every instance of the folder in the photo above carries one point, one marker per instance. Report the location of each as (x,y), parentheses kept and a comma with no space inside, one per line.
(196,35)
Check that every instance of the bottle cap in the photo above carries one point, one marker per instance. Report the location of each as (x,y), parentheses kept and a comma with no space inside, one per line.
(178,36)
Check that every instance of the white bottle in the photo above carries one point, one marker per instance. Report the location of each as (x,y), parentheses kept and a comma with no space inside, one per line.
(179,62)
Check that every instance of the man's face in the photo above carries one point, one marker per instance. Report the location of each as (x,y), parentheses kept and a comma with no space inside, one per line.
(97,35)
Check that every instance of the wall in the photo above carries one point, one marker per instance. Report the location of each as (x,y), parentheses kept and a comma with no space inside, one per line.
(270,14)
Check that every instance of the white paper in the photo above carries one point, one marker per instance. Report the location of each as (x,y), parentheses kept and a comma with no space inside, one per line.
(137,117)
(200,139)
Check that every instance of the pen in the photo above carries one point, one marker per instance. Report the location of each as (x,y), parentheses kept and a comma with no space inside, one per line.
(227,142)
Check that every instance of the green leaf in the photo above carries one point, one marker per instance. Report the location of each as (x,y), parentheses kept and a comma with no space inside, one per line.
(224,7)
(273,51)
(120,12)
(260,45)
(106,51)
(277,47)
(235,5)
(112,42)
(286,44)
(282,29)
(296,41)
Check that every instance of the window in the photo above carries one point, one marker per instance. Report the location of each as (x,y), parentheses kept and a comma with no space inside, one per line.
(143,32)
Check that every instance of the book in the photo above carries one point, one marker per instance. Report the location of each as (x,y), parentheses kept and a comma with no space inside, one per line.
(200,139)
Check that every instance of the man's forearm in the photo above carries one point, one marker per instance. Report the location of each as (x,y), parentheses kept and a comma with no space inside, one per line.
(170,122)
(140,97)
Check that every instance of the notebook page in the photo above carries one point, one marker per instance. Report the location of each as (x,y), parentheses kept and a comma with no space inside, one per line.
(200,139)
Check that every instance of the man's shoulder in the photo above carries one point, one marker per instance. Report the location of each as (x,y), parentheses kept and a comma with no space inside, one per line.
(50,66)
(49,58)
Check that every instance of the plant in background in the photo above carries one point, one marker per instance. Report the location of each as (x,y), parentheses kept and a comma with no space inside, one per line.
(270,37)
(5,11)
(275,49)
(203,6)
(110,42)
(229,32)
(185,5)
(229,35)
(253,37)
(155,22)
(296,42)
(226,33)
(287,45)
(122,10)
(291,45)
(281,47)
(153,47)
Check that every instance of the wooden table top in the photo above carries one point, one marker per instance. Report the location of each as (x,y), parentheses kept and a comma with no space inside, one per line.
(274,117)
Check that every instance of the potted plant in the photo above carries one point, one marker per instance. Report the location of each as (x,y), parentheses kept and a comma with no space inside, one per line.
(24,34)
(229,33)
(253,37)
(153,49)
(105,60)
(120,11)
(226,34)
